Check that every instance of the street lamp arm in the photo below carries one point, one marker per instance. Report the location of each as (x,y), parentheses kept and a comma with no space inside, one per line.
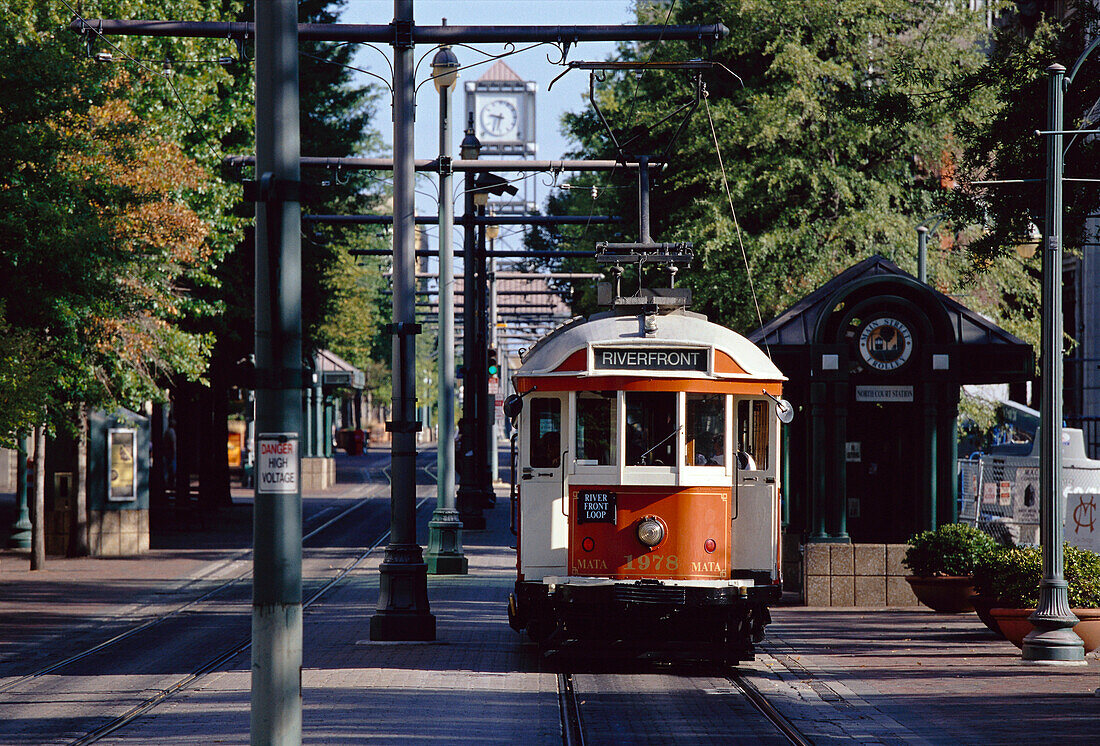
(1066,81)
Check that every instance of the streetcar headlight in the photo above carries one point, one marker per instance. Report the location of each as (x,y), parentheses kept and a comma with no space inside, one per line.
(650,531)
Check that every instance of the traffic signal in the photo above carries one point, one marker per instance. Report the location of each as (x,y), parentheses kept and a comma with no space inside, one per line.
(494,366)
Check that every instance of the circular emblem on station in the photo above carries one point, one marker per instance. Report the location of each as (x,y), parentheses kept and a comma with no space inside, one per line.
(885,343)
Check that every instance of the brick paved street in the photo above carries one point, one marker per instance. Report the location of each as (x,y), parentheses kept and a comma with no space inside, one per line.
(841,675)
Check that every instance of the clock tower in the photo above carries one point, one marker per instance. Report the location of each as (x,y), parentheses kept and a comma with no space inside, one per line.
(503,106)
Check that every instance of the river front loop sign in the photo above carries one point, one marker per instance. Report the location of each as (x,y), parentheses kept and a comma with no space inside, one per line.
(277,463)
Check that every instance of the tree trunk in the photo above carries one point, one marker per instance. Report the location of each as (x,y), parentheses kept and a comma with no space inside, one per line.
(38,502)
(78,534)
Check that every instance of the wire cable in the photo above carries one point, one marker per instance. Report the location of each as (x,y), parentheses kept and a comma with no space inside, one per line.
(733,211)
(166,76)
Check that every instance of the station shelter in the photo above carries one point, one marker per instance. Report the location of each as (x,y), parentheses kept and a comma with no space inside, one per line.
(875,360)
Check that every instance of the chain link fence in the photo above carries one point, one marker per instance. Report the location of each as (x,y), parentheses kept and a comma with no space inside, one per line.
(1000,495)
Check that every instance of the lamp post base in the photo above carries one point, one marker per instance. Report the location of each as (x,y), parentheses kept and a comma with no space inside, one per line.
(1053,639)
(1053,644)
(403,612)
(444,554)
(20,533)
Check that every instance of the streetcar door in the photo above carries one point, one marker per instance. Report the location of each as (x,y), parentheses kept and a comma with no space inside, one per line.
(755,515)
(543,452)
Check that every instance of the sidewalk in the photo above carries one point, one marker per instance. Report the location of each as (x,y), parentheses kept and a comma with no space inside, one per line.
(841,675)
(914,676)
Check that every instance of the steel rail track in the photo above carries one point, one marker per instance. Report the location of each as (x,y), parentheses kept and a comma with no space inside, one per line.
(572,725)
(572,728)
(768,710)
(173,613)
(223,657)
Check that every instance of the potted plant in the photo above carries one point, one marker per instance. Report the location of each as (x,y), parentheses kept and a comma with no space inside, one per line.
(1012,576)
(942,562)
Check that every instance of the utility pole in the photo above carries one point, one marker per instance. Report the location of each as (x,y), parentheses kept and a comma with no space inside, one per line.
(277,515)
(403,612)
(469,497)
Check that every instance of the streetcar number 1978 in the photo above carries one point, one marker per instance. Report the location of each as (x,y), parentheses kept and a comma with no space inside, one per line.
(653,562)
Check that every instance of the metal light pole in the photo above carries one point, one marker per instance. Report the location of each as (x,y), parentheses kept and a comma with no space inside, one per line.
(444,555)
(922,245)
(484,479)
(277,515)
(403,612)
(922,253)
(492,231)
(469,498)
(1053,639)
(21,529)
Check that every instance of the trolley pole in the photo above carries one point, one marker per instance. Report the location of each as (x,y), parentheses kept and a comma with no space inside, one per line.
(403,612)
(277,516)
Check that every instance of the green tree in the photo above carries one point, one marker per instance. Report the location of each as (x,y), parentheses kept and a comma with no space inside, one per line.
(1004,147)
(834,126)
(96,228)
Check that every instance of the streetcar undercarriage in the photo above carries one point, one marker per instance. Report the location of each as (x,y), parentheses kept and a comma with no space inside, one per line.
(719,621)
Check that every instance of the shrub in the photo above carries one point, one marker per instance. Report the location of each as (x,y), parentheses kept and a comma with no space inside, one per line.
(1012,576)
(1082,571)
(951,549)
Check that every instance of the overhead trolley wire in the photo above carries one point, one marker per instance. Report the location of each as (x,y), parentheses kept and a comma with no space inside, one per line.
(733,211)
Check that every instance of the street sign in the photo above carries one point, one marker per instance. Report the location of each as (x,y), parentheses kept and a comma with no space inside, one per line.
(277,466)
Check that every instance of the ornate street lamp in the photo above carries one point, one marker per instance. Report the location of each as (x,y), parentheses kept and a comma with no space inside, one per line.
(444,554)
(1053,639)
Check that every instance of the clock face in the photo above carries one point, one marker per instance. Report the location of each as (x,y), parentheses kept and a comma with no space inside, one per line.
(499,118)
(885,343)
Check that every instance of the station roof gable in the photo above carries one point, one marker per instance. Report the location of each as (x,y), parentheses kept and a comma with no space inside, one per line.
(802,325)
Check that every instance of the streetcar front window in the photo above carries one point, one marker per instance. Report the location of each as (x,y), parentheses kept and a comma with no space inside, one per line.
(705,432)
(651,428)
(596,428)
(545,433)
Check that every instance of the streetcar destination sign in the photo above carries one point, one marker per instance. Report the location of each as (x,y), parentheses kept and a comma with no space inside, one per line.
(596,506)
(649,358)
(277,463)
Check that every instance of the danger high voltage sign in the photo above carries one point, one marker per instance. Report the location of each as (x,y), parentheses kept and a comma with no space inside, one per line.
(277,463)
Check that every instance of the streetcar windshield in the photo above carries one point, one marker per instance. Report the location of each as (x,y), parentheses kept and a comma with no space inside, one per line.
(596,428)
(705,432)
(651,428)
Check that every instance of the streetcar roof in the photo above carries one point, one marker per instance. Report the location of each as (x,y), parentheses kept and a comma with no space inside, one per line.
(681,328)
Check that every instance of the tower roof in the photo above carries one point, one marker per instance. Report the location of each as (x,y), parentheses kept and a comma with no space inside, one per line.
(501,72)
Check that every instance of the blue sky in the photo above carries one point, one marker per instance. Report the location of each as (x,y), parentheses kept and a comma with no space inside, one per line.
(566,95)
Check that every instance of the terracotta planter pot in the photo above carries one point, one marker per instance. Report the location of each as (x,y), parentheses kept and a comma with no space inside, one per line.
(1013,623)
(1015,626)
(983,605)
(947,594)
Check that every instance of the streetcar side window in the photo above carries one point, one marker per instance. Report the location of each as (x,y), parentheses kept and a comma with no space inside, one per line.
(596,430)
(705,433)
(545,433)
(651,428)
(752,434)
